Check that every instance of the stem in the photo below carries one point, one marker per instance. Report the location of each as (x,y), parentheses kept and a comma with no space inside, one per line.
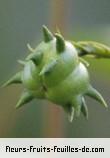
(54,128)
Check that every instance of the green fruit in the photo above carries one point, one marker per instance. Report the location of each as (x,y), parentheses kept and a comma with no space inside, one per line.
(55,71)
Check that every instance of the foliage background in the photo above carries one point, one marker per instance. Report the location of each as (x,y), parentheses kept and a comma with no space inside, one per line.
(20,23)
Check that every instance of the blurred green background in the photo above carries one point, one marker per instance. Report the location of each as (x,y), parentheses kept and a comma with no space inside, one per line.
(20,23)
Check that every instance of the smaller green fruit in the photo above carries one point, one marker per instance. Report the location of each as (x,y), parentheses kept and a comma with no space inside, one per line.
(55,71)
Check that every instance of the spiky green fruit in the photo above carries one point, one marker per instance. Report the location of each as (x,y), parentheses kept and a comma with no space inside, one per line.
(55,71)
